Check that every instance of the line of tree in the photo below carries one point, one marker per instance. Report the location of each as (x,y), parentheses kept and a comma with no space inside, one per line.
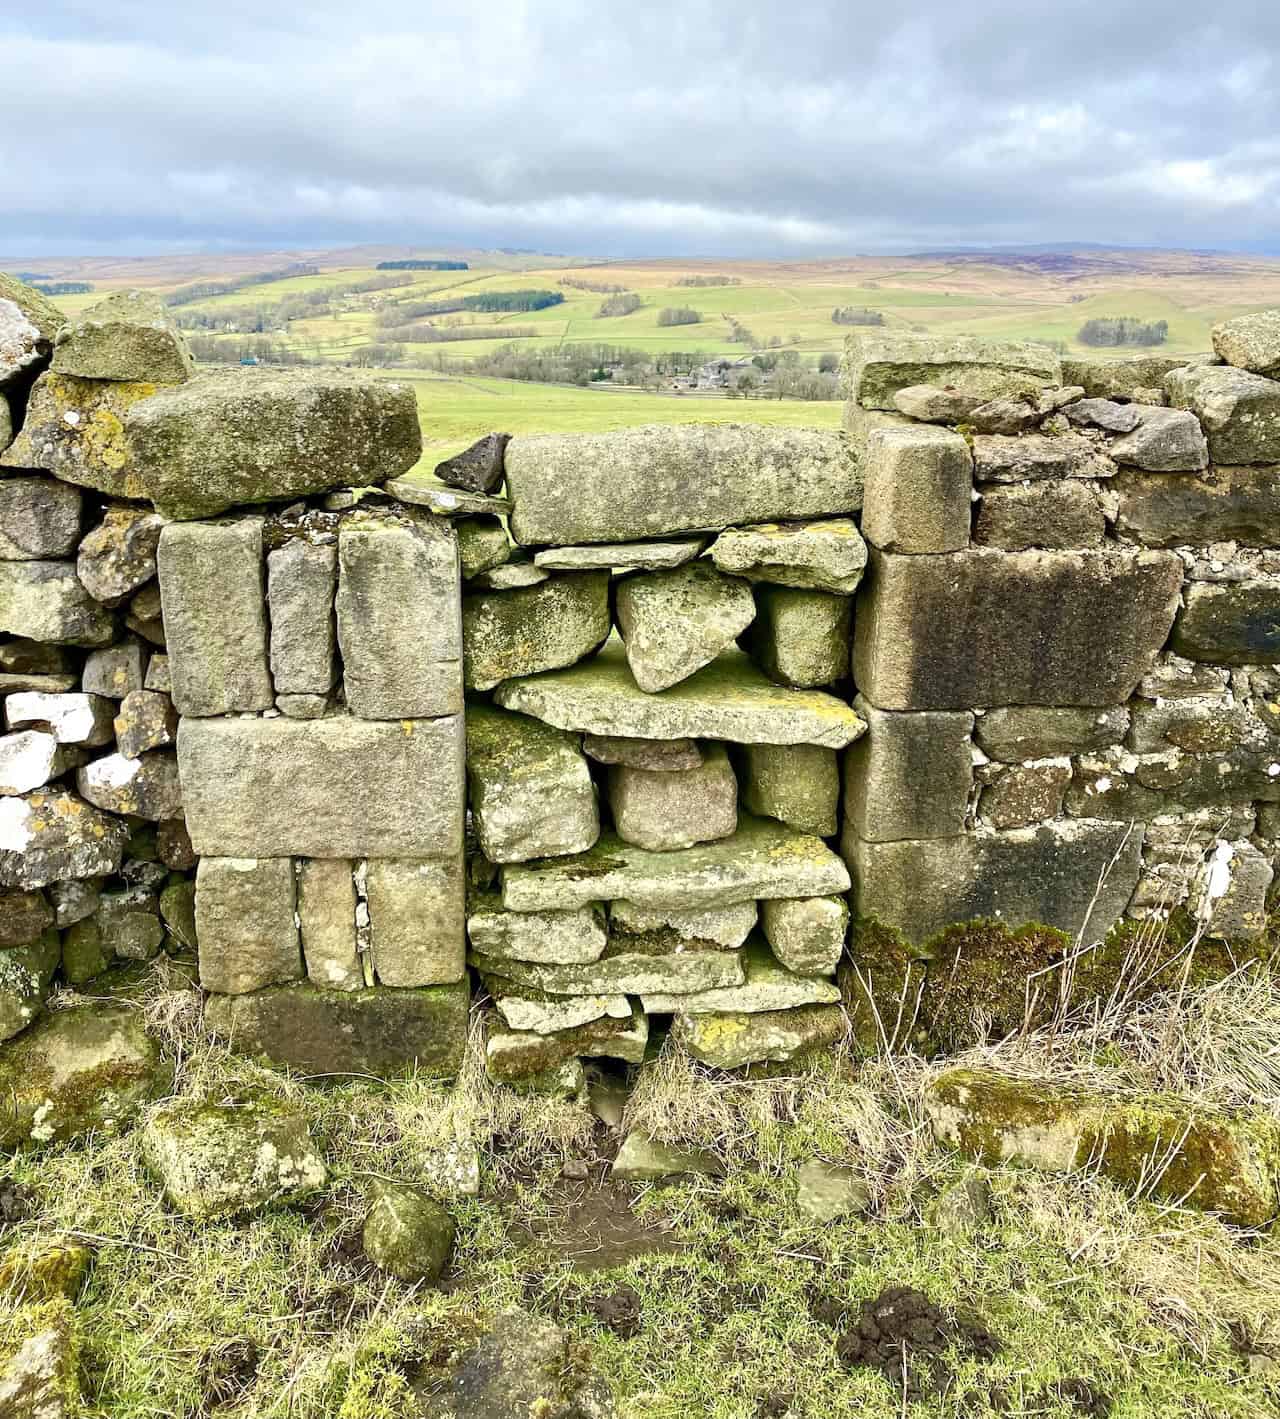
(738,333)
(567,364)
(1122,330)
(233,349)
(424,333)
(204,290)
(708,281)
(418,264)
(679,315)
(857,315)
(599,288)
(63,288)
(512,300)
(622,304)
(401,312)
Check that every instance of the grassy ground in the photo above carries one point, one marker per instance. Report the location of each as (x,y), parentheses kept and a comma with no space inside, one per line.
(737,1305)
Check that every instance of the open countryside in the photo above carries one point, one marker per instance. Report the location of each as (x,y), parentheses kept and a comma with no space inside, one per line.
(763,332)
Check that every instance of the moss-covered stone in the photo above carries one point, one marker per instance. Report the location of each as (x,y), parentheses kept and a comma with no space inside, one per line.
(730,1040)
(1162,1147)
(407,1233)
(535,628)
(25,974)
(128,336)
(44,1271)
(520,1054)
(77,1071)
(39,1363)
(220,1160)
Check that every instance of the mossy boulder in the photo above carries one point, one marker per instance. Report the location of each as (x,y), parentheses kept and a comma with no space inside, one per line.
(39,1363)
(44,1271)
(253,436)
(128,336)
(221,1160)
(1163,1147)
(29,322)
(407,1233)
(87,1069)
(25,974)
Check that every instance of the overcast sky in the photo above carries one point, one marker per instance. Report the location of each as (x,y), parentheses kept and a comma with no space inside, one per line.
(716,127)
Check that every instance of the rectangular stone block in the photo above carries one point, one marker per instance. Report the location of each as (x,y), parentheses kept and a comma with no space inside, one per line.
(245,926)
(1053,515)
(1240,412)
(215,616)
(910,776)
(661,810)
(327,919)
(44,601)
(301,582)
(633,484)
(798,784)
(335,787)
(801,638)
(400,619)
(1048,875)
(918,490)
(985,628)
(384,1033)
(562,938)
(417,918)
(876,366)
(1222,505)
(1233,624)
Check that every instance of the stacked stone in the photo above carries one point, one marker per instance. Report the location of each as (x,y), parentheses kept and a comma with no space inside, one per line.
(657,663)
(1065,647)
(95,859)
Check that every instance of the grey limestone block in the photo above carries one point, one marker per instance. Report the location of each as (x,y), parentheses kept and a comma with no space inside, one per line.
(801,639)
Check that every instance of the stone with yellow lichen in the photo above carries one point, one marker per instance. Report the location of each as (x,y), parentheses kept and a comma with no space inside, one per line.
(731,1040)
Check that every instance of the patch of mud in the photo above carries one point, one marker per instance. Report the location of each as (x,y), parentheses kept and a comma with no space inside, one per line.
(904,1336)
(1085,1398)
(17,1202)
(618,1311)
(227,1372)
(590,1225)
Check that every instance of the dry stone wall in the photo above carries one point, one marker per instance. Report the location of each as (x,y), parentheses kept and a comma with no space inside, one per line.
(753,736)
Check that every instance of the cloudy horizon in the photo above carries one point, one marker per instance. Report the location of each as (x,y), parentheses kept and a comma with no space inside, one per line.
(829,127)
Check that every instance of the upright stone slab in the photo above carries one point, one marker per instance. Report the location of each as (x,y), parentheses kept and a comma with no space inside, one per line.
(663,811)
(215,615)
(1077,876)
(327,922)
(675,622)
(417,921)
(529,629)
(674,478)
(399,619)
(234,436)
(531,789)
(128,336)
(919,486)
(876,366)
(245,925)
(334,787)
(302,579)
(798,784)
(981,628)
(801,638)
(910,776)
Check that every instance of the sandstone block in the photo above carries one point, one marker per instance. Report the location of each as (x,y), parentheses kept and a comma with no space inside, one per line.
(1053,515)
(512,1055)
(1165,441)
(335,787)
(482,545)
(1250,342)
(29,322)
(998,458)
(54,837)
(1240,412)
(626,968)
(801,638)
(1239,505)
(531,789)
(722,928)
(729,1041)
(45,601)
(766,986)
(304,706)
(215,616)
(1007,628)
(673,478)
(119,555)
(1233,624)
(819,556)
(245,924)
(386,1033)
(807,934)
(877,366)
(1025,794)
(327,921)
(417,921)
(1121,378)
(236,436)
(762,859)
(1048,875)
(128,336)
(1021,732)
(534,1011)
(662,811)
(728,699)
(39,519)
(543,627)
(910,777)
(302,579)
(116,670)
(675,622)
(1106,414)
(798,784)
(147,787)
(622,556)
(660,755)
(919,481)
(513,575)
(931,404)
(563,938)
(399,619)
(75,429)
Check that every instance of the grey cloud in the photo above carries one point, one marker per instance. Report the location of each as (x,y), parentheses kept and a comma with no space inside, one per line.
(822,125)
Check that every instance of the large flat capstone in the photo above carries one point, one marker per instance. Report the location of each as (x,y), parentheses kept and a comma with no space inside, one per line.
(252,436)
(335,787)
(728,699)
(984,628)
(762,859)
(631,484)
(877,366)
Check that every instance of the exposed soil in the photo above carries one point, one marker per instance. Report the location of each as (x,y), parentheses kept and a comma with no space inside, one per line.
(17,1201)
(618,1311)
(1084,1397)
(592,1226)
(227,1372)
(905,1336)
